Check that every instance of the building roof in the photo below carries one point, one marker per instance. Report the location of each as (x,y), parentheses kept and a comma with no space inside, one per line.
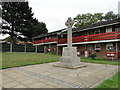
(3,42)
(99,24)
(49,34)
(86,27)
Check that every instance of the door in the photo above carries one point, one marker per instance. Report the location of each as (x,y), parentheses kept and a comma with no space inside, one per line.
(86,53)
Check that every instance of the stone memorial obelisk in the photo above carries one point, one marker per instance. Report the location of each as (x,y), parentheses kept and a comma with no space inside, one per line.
(69,57)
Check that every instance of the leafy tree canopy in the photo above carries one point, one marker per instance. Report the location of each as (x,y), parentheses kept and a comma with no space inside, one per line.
(110,16)
(18,20)
(86,19)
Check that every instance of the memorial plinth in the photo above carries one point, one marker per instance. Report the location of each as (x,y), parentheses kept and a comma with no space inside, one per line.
(69,57)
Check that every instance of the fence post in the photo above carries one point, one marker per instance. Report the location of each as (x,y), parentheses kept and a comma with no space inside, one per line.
(36,48)
(11,46)
(1,48)
(45,49)
(25,48)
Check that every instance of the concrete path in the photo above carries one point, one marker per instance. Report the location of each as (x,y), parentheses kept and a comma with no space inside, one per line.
(47,76)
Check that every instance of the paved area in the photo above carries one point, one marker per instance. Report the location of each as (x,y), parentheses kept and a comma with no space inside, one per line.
(47,76)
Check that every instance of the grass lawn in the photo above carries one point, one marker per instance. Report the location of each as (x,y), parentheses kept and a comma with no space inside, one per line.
(99,61)
(23,59)
(112,82)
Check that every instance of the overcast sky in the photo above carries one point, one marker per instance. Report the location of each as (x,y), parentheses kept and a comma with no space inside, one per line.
(54,13)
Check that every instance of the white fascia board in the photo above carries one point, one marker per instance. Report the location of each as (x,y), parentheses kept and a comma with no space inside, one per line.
(101,41)
(44,43)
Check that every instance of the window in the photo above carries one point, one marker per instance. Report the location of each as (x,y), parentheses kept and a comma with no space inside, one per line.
(90,47)
(89,32)
(108,29)
(61,35)
(75,34)
(49,46)
(97,31)
(97,47)
(109,46)
(117,28)
(52,46)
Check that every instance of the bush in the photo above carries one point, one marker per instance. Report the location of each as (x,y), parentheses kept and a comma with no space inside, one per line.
(52,53)
(93,56)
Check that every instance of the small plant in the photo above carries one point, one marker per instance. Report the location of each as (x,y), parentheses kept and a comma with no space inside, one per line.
(93,56)
(51,53)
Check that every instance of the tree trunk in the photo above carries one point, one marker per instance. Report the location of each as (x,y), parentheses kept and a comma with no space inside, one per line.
(11,43)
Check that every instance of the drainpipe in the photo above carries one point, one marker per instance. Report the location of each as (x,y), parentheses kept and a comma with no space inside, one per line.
(57,45)
(116,50)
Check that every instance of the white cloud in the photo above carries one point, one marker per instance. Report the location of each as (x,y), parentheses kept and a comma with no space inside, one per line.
(3,36)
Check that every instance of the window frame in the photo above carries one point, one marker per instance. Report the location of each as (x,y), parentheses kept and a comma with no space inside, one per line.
(90,47)
(97,30)
(90,32)
(108,45)
(96,46)
(49,46)
(109,28)
(117,28)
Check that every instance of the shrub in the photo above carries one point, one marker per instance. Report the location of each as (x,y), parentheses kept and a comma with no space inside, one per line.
(51,53)
(93,56)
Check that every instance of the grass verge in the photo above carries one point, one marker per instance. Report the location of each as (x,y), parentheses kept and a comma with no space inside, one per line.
(112,82)
(99,61)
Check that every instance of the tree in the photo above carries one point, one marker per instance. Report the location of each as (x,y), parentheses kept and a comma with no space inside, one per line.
(86,19)
(110,16)
(19,20)
(40,28)
(15,16)
(8,39)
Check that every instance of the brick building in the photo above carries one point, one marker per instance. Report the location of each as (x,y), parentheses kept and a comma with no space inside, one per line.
(102,38)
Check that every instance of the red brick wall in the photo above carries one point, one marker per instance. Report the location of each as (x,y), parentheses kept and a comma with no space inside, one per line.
(101,53)
(83,48)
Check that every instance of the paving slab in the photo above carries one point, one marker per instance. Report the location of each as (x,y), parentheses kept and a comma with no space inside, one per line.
(20,86)
(10,84)
(0,87)
(47,76)
(37,85)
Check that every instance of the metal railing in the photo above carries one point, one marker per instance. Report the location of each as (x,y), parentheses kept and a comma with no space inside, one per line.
(95,37)
(45,40)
